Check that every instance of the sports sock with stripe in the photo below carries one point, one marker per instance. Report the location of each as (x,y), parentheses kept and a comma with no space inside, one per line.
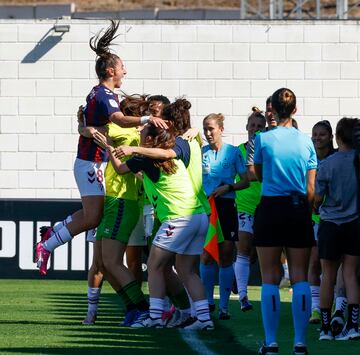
(226,279)
(315,297)
(242,272)
(133,291)
(270,310)
(353,316)
(129,305)
(156,307)
(57,239)
(65,222)
(207,274)
(93,298)
(325,318)
(301,309)
(202,310)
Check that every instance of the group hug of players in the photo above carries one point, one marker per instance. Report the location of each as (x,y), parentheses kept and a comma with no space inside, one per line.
(145,178)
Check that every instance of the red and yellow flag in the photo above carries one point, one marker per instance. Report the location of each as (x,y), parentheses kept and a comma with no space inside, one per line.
(214,234)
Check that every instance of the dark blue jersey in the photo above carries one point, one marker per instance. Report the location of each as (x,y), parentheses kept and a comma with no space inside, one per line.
(101,103)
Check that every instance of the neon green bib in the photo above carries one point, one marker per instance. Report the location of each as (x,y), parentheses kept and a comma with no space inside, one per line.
(195,173)
(121,186)
(173,195)
(247,199)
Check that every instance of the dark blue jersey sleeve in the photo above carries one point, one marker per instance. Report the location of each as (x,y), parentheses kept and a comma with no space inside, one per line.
(139,163)
(108,102)
(182,150)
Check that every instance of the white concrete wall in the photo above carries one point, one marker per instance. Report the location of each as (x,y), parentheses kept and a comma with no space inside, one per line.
(220,66)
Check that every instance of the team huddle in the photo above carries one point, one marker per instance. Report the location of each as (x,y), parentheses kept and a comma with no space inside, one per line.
(145,181)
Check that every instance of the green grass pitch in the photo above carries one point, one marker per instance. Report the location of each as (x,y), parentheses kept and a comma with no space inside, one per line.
(44,317)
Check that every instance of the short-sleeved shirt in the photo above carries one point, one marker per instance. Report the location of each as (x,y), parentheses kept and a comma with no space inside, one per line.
(221,167)
(286,155)
(247,199)
(336,181)
(122,186)
(250,147)
(101,103)
(315,216)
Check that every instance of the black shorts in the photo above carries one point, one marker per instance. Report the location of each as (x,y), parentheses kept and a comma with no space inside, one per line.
(227,212)
(335,240)
(283,221)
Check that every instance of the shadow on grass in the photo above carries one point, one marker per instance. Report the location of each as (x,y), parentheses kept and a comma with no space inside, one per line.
(66,334)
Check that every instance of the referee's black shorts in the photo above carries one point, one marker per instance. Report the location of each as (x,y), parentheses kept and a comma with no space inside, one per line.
(282,221)
(228,217)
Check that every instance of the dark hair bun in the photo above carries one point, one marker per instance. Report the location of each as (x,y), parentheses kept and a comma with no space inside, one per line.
(182,104)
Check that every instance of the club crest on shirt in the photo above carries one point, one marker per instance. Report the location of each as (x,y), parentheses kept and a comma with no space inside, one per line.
(113,103)
(225,164)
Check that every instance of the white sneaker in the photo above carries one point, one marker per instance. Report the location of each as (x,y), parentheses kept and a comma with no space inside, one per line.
(200,325)
(145,321)
(177,319)
(337,323)
(326,335)
(90,318)
(348,334)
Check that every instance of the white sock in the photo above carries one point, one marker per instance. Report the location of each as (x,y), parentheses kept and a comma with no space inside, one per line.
(202,310)
(59,238)
(340,304)
(156,307)
(65,222)
(315,297)
(286,270)
(242,272)
(93,298)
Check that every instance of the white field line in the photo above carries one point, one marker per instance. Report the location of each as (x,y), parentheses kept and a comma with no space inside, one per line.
(192,339)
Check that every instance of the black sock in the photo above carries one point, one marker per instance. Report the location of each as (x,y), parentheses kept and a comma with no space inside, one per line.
(325,318)
(353,316)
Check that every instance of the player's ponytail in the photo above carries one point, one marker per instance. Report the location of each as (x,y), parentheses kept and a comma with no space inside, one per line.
(100,45)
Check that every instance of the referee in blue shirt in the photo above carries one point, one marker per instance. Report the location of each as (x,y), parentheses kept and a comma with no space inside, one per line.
(285,161)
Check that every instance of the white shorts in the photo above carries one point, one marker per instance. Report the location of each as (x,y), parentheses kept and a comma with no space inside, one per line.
(149,218)
(246,222)
(90,177)
(316,229)
(137,236)
(185,235)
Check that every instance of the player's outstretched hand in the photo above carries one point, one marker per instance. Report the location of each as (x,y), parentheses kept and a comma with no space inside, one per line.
(103,141)
(191,133)
(123,151)
(158,122)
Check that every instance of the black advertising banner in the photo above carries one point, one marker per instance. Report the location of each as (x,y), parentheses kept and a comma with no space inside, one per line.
(20,221)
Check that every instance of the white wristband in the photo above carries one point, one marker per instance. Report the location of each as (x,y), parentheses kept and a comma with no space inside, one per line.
(144,120)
